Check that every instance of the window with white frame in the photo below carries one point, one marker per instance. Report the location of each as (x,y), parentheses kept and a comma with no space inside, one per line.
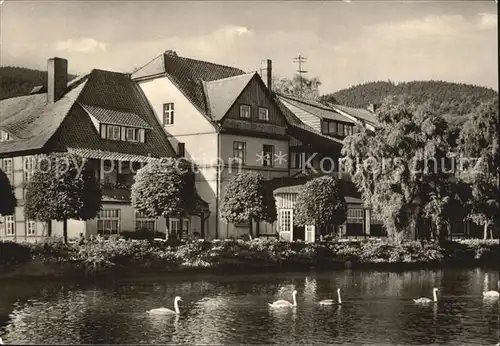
(263,114)
(267,155)
(285,224)
(285,220)
(8,170)
(143,221)
(175,226)
(245,111)
(168,114)
(132,134)
(29,165)
(30,227)
(10,225)
(108,221)
(239,151)
(113,132)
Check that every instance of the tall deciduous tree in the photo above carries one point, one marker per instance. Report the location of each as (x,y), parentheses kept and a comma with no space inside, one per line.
(63,187)
(401,168)
(478,146)
(320,202)
(8,201)
(248,199)
(164,188)
(298,86)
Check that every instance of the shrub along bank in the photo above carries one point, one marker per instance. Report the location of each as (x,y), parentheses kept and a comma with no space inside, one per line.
(99,255)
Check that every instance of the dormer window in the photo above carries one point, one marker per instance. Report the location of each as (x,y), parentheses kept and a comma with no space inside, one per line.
(122,133)
(113,132)
(117,125)
(245,112)
(132,134)
(5,136)
(334,128)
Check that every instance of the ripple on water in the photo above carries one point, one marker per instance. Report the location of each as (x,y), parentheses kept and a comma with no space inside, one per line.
(377,309)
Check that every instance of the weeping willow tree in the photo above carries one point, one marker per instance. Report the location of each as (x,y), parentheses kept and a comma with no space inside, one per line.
(401,169)
(478,146)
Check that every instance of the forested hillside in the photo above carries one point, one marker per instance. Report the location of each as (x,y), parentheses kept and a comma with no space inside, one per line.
(17,81)
(460,98)
(454,97)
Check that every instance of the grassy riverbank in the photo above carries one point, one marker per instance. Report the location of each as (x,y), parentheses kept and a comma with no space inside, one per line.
(101,256)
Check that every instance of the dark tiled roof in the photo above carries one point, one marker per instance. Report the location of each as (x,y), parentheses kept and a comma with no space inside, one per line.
(64,124)
(188,75)
(31,121)
(113,117)
(107,155)
(118,92)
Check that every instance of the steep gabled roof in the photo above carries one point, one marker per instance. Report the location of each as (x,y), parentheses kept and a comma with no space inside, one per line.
(222,93)
(32,121)
(64,124)
(187,74)
(115,91)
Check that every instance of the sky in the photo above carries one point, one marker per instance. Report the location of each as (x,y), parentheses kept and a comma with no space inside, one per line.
(345,42)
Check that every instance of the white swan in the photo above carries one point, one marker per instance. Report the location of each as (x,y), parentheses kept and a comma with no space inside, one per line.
(165,311)
(1,341)
(331,301)
(492,294)
(285,303)
(427,300)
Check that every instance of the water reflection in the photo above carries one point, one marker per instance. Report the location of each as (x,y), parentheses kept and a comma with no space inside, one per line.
(377,308)
(310,286)
(164,329)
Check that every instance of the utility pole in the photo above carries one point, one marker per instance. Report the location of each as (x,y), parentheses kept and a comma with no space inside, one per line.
(300,60)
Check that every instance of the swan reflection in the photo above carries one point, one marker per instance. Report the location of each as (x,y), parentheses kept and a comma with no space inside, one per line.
(434,312)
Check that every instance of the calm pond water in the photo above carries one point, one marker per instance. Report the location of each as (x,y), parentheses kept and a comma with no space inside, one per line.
(377,308)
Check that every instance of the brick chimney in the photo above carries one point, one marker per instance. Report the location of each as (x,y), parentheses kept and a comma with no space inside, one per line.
(171,52)
(57,79)
(269,74)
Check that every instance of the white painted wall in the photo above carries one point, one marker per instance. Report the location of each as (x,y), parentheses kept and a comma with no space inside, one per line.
(198,135)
